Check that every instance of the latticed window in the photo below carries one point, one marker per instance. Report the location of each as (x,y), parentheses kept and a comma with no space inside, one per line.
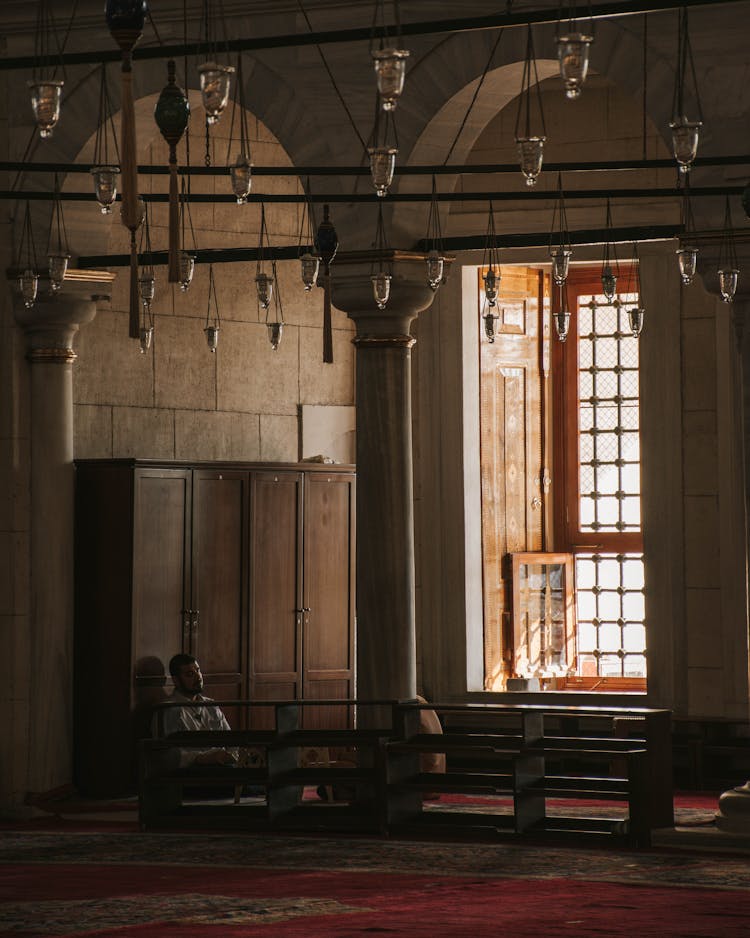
(597,495)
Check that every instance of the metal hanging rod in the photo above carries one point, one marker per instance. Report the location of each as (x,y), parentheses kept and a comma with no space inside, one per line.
(156,169)
(471,242)
(365,34)
(371,197)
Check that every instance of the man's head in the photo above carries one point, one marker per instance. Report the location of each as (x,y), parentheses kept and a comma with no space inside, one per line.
(186,674)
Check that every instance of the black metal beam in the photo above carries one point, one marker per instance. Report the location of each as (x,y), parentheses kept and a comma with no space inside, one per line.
(371,198)
(469,169)
(468,243)
(366,33)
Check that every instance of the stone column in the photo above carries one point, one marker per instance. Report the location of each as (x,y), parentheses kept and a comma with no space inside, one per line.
(49,327)
(386,650)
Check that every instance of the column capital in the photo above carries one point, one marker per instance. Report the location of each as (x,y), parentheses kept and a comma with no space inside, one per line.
(351,289)
(52,322)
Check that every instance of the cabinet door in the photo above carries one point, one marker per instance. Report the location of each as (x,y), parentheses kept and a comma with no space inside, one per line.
(328,630)
(275,587)
(219,600)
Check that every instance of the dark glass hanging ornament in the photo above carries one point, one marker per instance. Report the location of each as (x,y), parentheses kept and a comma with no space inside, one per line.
(172,113)
(327,243)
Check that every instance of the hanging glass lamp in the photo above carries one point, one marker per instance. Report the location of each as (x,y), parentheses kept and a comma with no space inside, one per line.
(216,82)
(609,282)
(242,177)
(635,320)
(728,280)
(275,329)
(309,265)
(57,266)
(489,319)
(560,264)
(381,288)
(573,54)
(264,289)
(212,337)
(687,258)
(382,167)
(145,335)
(435,267)
(531,156)
(146,288)
(562,323)
(187,269)
(105,186)
(45,101)
(28,283)
(390,72)
(685,139)
(491,282)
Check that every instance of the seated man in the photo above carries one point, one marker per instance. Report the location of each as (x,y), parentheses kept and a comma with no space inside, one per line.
(188,685)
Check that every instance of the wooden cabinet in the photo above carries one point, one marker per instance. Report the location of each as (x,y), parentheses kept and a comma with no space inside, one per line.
(248,567)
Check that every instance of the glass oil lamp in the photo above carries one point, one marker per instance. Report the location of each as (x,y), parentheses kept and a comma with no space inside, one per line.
(573,55)
(145,335)
(264,289)
(390,71)
(609,282)
(105,186)
(46,97)
(685,137)
(147,288)
(490,286)
(435,266)
(562,323)
(381,288)
(728,280)
(531,155)
(560,264)
(687,258)
(275,329)
(382,166)
(57,265)
(489,325)
(28,284)
(212,337)
(242,178)
(187,269)
(215,83)
(635,320)
(309,264)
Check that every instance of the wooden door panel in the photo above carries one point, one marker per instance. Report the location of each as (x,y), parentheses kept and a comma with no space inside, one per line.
(328,586)
(275,590)
(218,581)
(160,569)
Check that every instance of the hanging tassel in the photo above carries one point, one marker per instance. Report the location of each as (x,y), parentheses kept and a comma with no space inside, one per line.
(134,323)
(327,327)
(172,113)
(327,243)
(174,220)
(130,212)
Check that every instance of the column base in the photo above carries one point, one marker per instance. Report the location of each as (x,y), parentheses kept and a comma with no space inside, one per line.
(734,808)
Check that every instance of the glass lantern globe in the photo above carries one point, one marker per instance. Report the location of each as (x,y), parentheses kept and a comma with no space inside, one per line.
(685,137)
(309,265)
(728,280)
(187,269)
(57,265)
(560,264)
(531,155)
(212,337)
(390,71)
(28,284)
(264,289)
(489,325)
(562,323)
(147,288)
(435,266)
(46,97)
(382,167)
(573,55)
(635,320)
(687,258)
(145,335)
(215,82)
(381,288)
(242,178)
(491,282)
(105,186)
(609,282)
(275,330)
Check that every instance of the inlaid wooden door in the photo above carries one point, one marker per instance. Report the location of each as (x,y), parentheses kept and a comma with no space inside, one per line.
(513,372)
